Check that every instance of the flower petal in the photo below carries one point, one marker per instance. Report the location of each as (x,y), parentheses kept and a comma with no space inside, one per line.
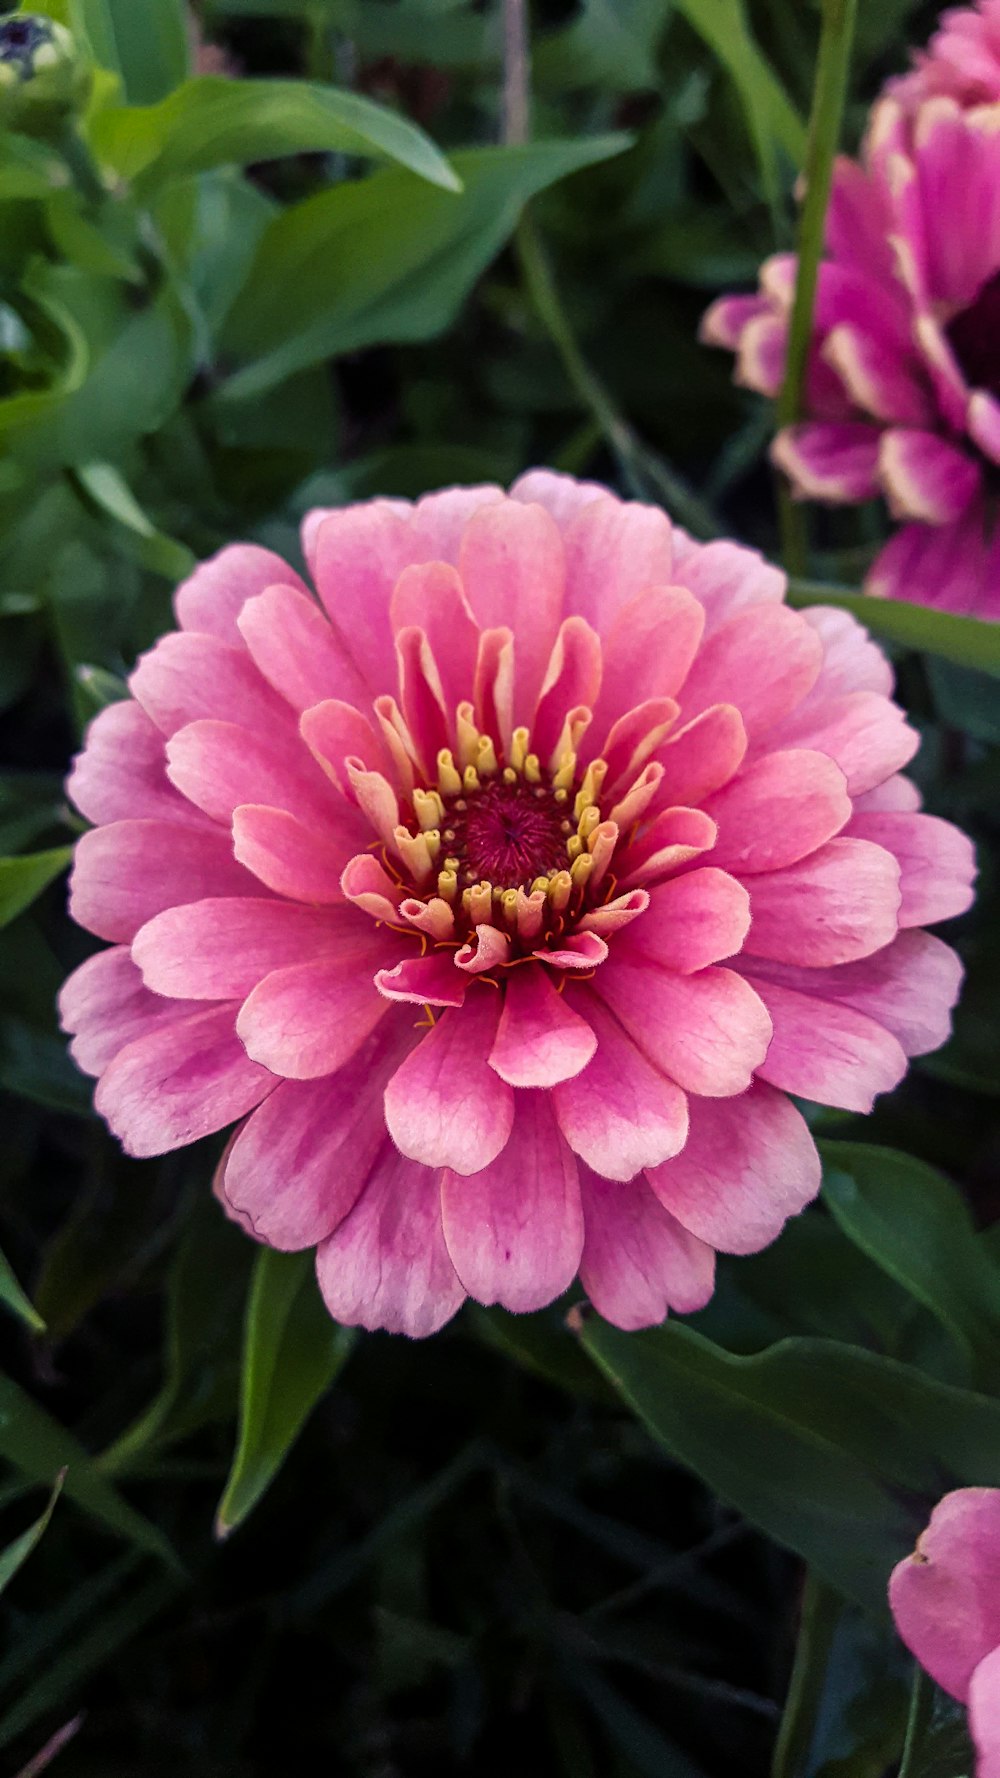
(620,1114)
(310,1018)
(706,1031)
(638,1261)
(840,903)
(121,773)
(386,1265)
(215,594)
(778,810)
(180,1082)
(826,1051)
(945,1598)
(220,949)
(540,1040)
(127,871)
(937,863)
(513,570)
(444,1106)
(104,1005)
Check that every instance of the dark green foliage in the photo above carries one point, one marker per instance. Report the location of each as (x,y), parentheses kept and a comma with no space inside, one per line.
(534,1544)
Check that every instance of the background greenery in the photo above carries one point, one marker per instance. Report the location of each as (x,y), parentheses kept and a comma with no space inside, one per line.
(526,1542)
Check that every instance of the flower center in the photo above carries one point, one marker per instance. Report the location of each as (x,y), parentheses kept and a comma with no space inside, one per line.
(19,38)
(974,337)
(505,841)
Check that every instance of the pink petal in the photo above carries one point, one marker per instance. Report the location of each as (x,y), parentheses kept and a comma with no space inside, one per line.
(762,354)
(422,699)
(540,1040)
(429,597)
(945,1598)
(984,1714)
(708,1032)
(952,567)
(213,597)
(896,794)
(727,578)
(386,1265)
(298,651)
(310,1018)
(424,981)
(127,871)
(335,732)
(515,1229)
(298,1164)
(694,920)
(840,903)
(703,755)
(444,1106)
(439,520)
(925,477)
(221,949)
(866,734)
(105,1006)
(937,863)
(778,810)
(513,571)
(359,553)
(219,765)
(749,1163)
(290,857)
(488,948)
(371,888)
(674,838)
(561,495)
(188,676)
(836,462)
(851,660)
(638,1262)
(180,1082)
(880,378)
(614,550)
(648,652)
(983,421)
(724,321)
(764,660)
(825,1051)
(572,681)
(620,1114)
(909,987)
(122,771)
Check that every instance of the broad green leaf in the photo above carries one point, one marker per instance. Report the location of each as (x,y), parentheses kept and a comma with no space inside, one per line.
(834,1452)
(845,1714)
(29,169)
(107,488)
(214,122)
(611,44)
(914,1224)
(292,1352)
(968,641)
(17,1553)
(23,879)
(145,42)
(771,117)
(39,1447)
(59,334)
(967,700)
(15,1298)
(384,259)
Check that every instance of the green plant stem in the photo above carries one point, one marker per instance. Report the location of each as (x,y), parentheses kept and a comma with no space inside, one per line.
(826,117)
(921,1708)
(516,122)
(81,163)
(820,1611)
(644,472)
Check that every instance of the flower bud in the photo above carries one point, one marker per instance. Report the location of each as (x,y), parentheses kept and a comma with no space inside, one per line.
(44,79)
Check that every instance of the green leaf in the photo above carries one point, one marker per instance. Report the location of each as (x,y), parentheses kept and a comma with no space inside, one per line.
(914,1224)
(772,118)
(969,641)
(292,1352)
(214,122)
(384,259)
(39,1447)
(834,1452)
(23,879)
(112,495)
(15,1298)
(845,1714)
(17,1553)
(143,41)
(29,169)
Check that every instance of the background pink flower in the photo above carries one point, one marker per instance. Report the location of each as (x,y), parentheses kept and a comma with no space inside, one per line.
(510,889)
(962,60)
(903,385)
(945,1599)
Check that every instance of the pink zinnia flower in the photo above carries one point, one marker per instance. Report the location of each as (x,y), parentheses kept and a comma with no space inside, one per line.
(945,1599)
(514,883)
(903,387)
(962,60)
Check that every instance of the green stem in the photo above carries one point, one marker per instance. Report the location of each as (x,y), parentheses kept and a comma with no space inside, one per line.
(643,471)
(82,165)
(826,117)
(921,1709)
(820,1612)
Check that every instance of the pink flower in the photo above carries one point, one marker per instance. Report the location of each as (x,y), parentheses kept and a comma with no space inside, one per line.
(945,1599)
(510,888)
(962,60)
(903,386)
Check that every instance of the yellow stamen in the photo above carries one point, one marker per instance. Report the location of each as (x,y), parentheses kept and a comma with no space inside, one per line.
(470,778)
(563,777)
(429,808)
(581,868)
(481,903)
(561,795)
(468,735)
(449,781)
(519,748)
(432,840)
(533,769)
(589,820)
(509,775)
(574,845)
(590,789)
(447,883)
(509,904)
(414,850)
(486,757)
(560,890)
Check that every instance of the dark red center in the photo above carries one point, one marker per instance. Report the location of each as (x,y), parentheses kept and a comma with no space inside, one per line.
(507,834)
(974,335)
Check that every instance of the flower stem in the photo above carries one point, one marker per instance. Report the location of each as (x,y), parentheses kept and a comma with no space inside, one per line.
(820,1612)
(516,125)
(826,117)
(921,1707)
